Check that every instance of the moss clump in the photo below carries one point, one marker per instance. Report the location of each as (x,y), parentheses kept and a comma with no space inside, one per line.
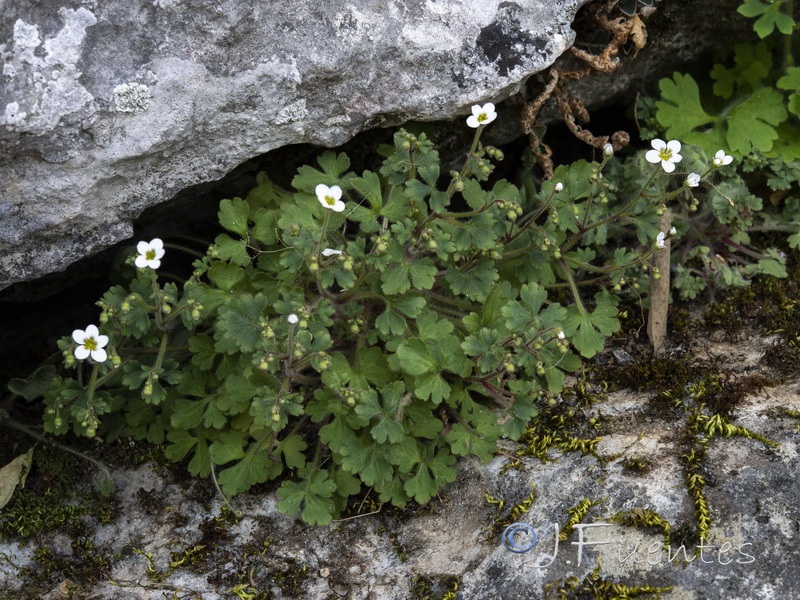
(638,465)
(434,588)
(596,587)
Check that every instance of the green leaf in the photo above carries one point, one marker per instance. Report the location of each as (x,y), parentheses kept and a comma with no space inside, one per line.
(431,386)
(384,415)
(409,305)
(233,215)
(589,330)
(240,323)
(254,468)
(292,449)
(680,110)
(463,441)
(188,413)
(34,386)
(395,280)
(791,81)
(390,322)
(225,275)
(397,206)
(422,274)
(771,17)
(232,250)
(229,447)
(414,357)
(474,195)
(753,121)
(369,186)
(264,230)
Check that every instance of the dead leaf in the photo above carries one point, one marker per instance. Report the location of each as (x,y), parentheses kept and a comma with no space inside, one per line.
(13,474)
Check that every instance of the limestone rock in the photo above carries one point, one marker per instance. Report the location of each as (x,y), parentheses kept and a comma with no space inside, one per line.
(109,107)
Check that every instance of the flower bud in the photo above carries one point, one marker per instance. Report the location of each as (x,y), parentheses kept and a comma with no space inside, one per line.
(559,187)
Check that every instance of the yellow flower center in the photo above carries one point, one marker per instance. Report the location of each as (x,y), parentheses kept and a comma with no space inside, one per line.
(90,344)
(482,117)
(331,201)
(665,154)
(150,255)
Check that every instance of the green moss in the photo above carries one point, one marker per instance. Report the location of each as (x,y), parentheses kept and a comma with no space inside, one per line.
(444,587)
(596,587)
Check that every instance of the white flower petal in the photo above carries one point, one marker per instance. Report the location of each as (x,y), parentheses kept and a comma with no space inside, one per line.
(335,192)
(608,149)
(99,355)
(141,261)
(676,158)
(668,166)
(79,335)
(101,340)
(156,244)
(673,231)
(292,318)
(330,252)
(652,156)
(142,247)
(82,353)
(472,121)
(92,331)
(154,264)
(674,146)
(338,206)
(658,144)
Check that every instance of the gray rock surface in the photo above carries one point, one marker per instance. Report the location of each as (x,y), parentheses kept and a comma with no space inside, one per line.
(751,552)
(108,107)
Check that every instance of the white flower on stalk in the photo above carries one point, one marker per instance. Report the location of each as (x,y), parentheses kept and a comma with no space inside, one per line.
(481,115)
(330,197)
(560,334)
(90,343)
(660,240)
(665,153)
(672,231)
(721,159)
(692,180)
(330,252)
(608,149)
(150,254)
(559,187)
(292,318)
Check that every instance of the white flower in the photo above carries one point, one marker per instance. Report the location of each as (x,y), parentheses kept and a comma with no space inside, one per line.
(560,334)
(692,180)
(330,252)
(292,318)
(481,115)
(665,153)
(721,159)
(330,197)
(150,254)
(660,240)
(90,343)
(608,149)
(672,231)
(559,187)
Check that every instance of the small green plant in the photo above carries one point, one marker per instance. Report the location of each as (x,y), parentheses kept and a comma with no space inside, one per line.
(366,330)
(752,110)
